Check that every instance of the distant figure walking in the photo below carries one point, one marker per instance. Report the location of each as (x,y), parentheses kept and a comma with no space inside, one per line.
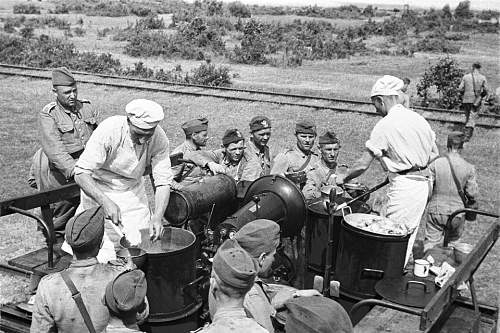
(474,88)
(405,97)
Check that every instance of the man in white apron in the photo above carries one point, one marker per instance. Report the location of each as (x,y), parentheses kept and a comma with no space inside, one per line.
(405,144)
(111,168)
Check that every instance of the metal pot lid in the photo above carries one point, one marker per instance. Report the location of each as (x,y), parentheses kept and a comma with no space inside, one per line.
(407,290)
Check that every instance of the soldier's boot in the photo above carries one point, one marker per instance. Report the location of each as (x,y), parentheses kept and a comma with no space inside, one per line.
(468,131)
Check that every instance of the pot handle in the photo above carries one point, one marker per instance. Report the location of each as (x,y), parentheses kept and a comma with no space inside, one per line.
(346,208)
(370,271)
(417,283)
(188,288)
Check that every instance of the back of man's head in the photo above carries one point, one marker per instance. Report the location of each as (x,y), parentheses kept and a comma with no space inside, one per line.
(259,236)
(84,232)
(476,65)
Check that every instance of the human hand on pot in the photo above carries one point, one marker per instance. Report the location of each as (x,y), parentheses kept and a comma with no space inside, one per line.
(155,227)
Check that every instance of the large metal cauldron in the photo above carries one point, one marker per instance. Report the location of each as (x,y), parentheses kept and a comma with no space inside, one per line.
(363,258)
(169,270)
(199,198)
(269,197)
(317,235)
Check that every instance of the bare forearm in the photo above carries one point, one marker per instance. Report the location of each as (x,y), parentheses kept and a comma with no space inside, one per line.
(89,186)
(162,196)
(360,166)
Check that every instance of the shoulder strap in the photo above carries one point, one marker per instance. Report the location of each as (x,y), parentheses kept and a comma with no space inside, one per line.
(77,297)
(457,183)
(305,163)
(473,86)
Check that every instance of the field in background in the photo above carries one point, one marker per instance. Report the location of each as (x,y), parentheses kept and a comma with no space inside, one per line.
(21,99)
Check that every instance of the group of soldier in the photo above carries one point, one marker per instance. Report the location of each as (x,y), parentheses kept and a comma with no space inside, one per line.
(108,161)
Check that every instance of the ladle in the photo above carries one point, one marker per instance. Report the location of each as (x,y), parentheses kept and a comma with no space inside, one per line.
(123,240)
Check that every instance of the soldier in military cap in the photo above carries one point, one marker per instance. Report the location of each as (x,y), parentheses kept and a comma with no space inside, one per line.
(296,162)
(260,238)
(127,303)
(316,315)
(323,172)
(196,132)
(65,126)
(232,159)
(55,310)
(258,150)
(233,274)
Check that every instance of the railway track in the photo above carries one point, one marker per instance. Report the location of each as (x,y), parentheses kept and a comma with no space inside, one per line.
(248,95)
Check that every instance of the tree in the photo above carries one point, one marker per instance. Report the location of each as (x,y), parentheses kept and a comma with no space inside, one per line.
(447,15)
(463,10)
(238,9)
(368,11)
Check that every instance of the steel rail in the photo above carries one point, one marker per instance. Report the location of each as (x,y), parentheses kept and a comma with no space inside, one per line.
(250,91)
(237,98)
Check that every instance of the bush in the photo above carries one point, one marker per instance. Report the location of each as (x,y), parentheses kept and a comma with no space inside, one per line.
(238,9)
(60,9)
(253,48)
(437,45)
(26,9)
(111,9)
(141,11)
(445,77)
(152,22)
(209,75)
(27,31)
(79,32)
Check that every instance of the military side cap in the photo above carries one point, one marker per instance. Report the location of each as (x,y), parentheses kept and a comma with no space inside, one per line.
(259,236)
(316,314)
(234,266)
(84,231)
(62,77)
(456,138)
(305,127)
(195,126)
(126,292)
(328,138)
(259,122)
(144,113)
(232,136)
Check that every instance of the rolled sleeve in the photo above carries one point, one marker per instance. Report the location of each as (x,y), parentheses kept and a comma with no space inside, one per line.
(202,158)
(377,143)
(42,320)
(280,164)
(160,161)
(53,145)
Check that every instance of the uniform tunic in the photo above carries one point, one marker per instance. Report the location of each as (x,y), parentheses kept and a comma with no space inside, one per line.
(445,198)
(63,135)
(258,161)
(185,173)
(291,160)
(232,321)
(117,165)
(403,140)
(467,85)
(56,311)
(321,175)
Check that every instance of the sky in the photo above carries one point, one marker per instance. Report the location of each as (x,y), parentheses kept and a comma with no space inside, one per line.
(475,4)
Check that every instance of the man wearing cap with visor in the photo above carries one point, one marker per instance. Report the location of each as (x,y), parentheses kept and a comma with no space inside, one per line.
(65,126)
(405,144)
(111,168)
(260,238)
(54,309)
(232,159)
(257,148)
(196,132)
(233,274)
(295,163)
(322,176)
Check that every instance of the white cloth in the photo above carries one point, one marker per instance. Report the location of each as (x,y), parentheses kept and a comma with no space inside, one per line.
(118,166)
(144,113)
(387,86)
(407,200)
(402,139)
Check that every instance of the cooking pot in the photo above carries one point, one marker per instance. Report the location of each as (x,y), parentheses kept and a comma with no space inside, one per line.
(137,255)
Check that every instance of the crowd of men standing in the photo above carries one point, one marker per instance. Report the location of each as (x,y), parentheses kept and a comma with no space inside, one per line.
(108,161)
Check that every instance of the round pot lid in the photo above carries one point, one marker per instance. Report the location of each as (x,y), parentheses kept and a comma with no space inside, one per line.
(407,290)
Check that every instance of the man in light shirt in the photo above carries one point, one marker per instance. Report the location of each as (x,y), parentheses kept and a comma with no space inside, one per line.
(111,168)
(405,144)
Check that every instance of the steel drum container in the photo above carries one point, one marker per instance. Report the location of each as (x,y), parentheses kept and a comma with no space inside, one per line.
(170,270)
(317,236)
(211,194)
(364,258)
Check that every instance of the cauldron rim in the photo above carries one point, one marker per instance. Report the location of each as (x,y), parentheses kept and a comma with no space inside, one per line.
(177,251)
(372,235)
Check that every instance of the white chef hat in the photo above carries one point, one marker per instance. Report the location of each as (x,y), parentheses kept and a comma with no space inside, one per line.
(144,113)
(387,86)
